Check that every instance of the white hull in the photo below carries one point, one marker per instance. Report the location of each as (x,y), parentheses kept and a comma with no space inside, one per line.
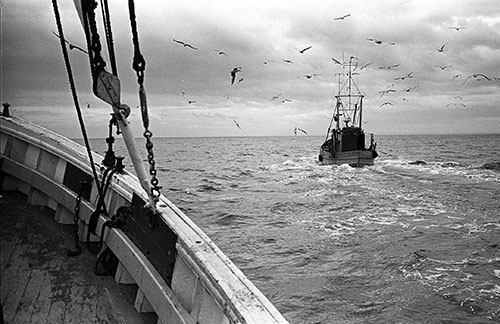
(204,286)
(358,158)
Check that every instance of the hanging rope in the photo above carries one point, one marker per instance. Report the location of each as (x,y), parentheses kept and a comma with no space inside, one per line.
(74,93)
(109,35)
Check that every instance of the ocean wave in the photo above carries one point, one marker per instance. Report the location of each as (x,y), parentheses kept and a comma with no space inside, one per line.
(421,168)
(493,166)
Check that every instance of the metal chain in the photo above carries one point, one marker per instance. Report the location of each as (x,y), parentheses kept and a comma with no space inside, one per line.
(76,218)
(139,65)
(97,62)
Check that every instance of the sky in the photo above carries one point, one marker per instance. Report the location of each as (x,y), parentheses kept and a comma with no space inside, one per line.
(189,91)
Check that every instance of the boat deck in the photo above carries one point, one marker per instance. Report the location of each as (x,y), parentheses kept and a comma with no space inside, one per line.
(41,284)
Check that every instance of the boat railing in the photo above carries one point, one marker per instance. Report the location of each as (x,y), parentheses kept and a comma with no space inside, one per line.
(180,273)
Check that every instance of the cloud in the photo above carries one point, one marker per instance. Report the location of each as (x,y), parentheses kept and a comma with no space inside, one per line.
(258,36)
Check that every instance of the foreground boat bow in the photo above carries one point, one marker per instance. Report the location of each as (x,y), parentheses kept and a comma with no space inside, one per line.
(181,274)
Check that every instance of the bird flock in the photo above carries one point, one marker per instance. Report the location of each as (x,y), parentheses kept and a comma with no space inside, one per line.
(398,84)
(235,72)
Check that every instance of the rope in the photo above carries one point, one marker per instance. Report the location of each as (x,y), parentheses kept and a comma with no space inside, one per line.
(73,92)
(109,35)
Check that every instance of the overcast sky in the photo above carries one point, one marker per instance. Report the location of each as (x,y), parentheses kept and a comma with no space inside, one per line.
(439,96)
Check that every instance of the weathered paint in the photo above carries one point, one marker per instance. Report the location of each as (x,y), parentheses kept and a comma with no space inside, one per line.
(206,287)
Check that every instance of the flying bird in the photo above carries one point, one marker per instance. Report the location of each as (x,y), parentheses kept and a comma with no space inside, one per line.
(383,92)
(301,51)
(410,89)
(220,52)
(343,17)
(478,77)
(88,105)
(286,100)
(336,61)
(185,44)
(240,80)
(365,66)
(71,46)
(376,41)
(389,66)
(288,61)
(233,73)
(276,97)
(309,76)
(191,102)
(457,28)
(300,130)
(236,123)
(456,76)
(386,103)
(441,49)
(443,67)
(408,75)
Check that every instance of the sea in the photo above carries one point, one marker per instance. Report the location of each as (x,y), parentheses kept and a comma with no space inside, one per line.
(415,238)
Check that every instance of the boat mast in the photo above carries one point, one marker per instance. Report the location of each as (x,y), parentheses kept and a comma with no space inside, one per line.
(349,80)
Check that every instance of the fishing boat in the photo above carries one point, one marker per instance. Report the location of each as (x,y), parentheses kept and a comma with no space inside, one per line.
(346,142)
(142,238)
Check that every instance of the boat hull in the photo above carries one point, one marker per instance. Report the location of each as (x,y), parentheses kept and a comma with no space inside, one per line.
(180,274)
(356,158)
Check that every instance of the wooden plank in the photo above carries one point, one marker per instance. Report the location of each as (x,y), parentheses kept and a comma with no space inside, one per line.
(162,299)
(41,284)
(141,303)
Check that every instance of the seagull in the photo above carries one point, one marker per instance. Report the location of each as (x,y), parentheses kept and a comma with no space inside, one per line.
(286,100)
(457,28)
(409,76)
(300,130)
(236,123)
(456,76)
(386,103)
(233,73)
(336,61)
(309,76)
(71,46)
(443,67)
(240,80)
(88,105)
(185,44)
(410,89)
(343,17)
(191,102)
(220,52)
(288,61)
(389,66)
(383,92)
(276,97)
(301,51)
(183,93)
(441,49)
(376,41)
(478,77)
(458,97)
(365,66)
(265,62)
